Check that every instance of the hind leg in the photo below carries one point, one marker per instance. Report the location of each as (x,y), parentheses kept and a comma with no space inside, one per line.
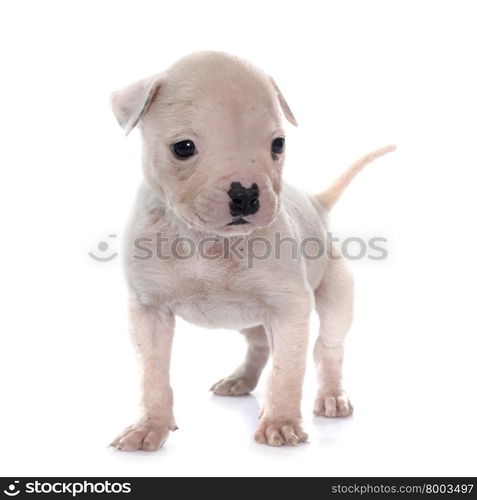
(334,304)
(245,378)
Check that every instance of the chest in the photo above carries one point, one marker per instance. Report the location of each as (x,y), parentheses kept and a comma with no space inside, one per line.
(212,291)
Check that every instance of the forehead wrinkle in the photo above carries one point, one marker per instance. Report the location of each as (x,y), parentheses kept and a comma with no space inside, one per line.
(231,111)
(252,124)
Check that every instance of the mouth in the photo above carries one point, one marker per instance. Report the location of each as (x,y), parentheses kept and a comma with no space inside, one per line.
(237,222)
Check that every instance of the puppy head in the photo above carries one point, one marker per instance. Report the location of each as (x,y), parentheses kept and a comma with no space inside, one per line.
(213,141)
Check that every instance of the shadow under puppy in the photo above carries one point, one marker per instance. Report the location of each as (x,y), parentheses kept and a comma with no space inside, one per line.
(213,153)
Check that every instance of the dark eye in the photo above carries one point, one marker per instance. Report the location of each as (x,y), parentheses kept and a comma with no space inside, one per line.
(184,149)
(278,145)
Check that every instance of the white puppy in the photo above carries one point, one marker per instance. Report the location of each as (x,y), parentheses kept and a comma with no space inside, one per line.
(214,207)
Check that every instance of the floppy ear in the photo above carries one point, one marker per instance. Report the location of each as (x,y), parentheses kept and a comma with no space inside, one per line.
(284,105)
(131,103)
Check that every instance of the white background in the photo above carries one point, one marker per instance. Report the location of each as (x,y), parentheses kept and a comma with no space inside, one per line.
(358,75)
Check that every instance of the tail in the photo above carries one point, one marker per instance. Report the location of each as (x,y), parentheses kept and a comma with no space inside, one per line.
(331,195)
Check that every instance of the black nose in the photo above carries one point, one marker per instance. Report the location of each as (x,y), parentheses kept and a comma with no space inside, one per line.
(244,201)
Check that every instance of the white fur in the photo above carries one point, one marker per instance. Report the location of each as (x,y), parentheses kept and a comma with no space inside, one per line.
(232,111)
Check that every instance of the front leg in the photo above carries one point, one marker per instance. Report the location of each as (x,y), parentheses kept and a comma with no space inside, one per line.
(281,415)
(334,304)
(151,333)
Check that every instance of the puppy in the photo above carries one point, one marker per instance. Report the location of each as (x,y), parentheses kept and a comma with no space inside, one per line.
(213,153)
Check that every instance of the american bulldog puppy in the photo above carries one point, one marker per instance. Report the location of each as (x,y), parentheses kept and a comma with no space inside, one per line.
(213,154)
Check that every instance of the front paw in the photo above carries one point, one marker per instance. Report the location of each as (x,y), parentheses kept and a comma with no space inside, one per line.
(146,434)
(279,432)
(332,404)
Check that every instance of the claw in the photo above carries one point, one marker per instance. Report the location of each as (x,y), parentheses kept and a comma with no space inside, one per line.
(280,433)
